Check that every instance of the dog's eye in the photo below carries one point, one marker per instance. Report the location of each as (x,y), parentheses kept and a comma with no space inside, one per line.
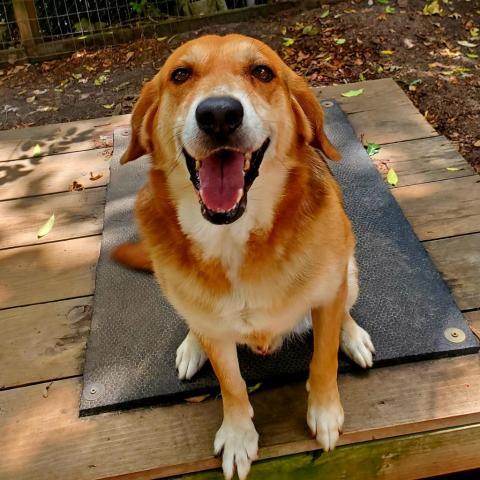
(263,73)
(181,75)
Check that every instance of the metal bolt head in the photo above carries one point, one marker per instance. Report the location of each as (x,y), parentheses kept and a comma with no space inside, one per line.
(327,103)
(454,335)
(93,391)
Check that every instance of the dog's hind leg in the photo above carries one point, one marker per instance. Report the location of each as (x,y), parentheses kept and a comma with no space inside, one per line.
(355,342)
(190,357)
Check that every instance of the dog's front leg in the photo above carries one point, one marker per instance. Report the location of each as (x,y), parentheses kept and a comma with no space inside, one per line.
(325,412)
(237,436)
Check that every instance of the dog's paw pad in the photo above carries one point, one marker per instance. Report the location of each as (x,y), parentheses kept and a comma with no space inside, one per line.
(190,357)
(325,423)
(357,344)
(239,442)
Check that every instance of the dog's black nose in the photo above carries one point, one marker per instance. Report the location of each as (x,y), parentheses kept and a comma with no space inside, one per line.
(219,116)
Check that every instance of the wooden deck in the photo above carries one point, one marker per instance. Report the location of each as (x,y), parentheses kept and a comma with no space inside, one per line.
(402,422)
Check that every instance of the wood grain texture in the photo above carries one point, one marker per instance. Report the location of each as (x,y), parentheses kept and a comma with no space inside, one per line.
(53,174)
(405,458)
(43,342)
(373,96)
(458,260)
(422,161)
(53,271)
(77,214)
(43,438)
(473,319)
(60,137)
(442,209)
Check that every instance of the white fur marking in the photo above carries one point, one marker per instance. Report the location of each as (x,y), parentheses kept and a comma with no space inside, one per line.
(190,357)
(356,343)
(325,422)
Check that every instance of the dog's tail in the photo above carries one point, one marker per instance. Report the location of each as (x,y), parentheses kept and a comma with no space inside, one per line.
(133,255)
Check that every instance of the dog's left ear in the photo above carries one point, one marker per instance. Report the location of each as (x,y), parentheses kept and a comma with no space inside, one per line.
(309,115)
(143,117)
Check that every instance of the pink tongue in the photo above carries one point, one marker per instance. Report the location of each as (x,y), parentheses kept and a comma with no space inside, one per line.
(221,178)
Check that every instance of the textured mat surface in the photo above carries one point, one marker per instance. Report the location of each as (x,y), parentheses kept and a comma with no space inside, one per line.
(403,303)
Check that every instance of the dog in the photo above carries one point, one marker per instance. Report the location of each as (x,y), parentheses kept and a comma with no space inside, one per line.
(244,226)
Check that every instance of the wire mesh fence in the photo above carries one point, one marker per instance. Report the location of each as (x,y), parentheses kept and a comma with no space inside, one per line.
(33,23)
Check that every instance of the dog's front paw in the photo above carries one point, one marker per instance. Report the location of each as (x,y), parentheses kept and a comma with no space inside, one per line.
(357,344)
(190,357)
(325,420)
(239,442)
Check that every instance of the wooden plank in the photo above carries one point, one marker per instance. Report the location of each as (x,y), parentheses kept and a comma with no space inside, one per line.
(404,458)
(53,174)
(442,209)
(43,342)
(77,214)
(43,438)
(375,93)
(27,22)
(458,260)
(53,271)
(422,161)
(387,125)
(473,319)
(60,137)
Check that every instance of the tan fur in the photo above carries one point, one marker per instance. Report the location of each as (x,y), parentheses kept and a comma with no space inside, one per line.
(252,281)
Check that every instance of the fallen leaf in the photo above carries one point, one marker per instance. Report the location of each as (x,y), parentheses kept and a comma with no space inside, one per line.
(477,143)
(288,42)
(453,169)
(412,86)
(340,41)
(108,106)
(100,80)
(464,43)
(372,149)
(95,177)
(75,187)
(473,56)
(197,398)
(46,227)
(361,77)
(390,10)
(45,390)
(47,108)
(40,92)
(387,52)
(254,388)
(30,99)
(129,56)
(283,30)
(310,30)
(392,177)
(383,2)
(353,93)
(433,8)
(325,13)
(37,150)
(161,39)
(408,43)
(77,76)
(475,32)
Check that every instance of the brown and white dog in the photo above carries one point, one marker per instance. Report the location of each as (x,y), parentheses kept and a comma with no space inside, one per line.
(244,226)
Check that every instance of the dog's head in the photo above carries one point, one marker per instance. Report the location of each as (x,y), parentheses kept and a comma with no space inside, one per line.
(219,109)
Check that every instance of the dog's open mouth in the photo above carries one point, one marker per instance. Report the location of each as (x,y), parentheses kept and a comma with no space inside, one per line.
(223,179)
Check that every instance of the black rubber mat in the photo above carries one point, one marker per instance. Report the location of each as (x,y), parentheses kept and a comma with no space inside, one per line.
(404,304)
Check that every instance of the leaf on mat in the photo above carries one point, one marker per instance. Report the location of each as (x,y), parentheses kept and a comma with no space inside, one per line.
(453,169)
(464,43)
(108,106)
(197,398)
(254,388)
(37,151)
(95,177)
(288,42)
(353,93)
(46,227)
(372,148)
(392,177)
(390,10)
(340,41)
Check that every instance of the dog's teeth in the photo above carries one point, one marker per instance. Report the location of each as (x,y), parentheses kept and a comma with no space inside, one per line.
(198,164)
(246,165)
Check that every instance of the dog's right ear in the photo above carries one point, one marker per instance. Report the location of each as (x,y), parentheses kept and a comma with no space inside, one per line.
(143,117)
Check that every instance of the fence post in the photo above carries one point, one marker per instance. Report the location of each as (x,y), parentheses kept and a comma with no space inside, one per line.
(27,22)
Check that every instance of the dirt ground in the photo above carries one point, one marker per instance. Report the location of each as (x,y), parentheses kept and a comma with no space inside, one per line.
(434,57)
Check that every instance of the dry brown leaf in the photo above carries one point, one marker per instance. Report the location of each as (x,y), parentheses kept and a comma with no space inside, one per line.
(95,177)
(75,187)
